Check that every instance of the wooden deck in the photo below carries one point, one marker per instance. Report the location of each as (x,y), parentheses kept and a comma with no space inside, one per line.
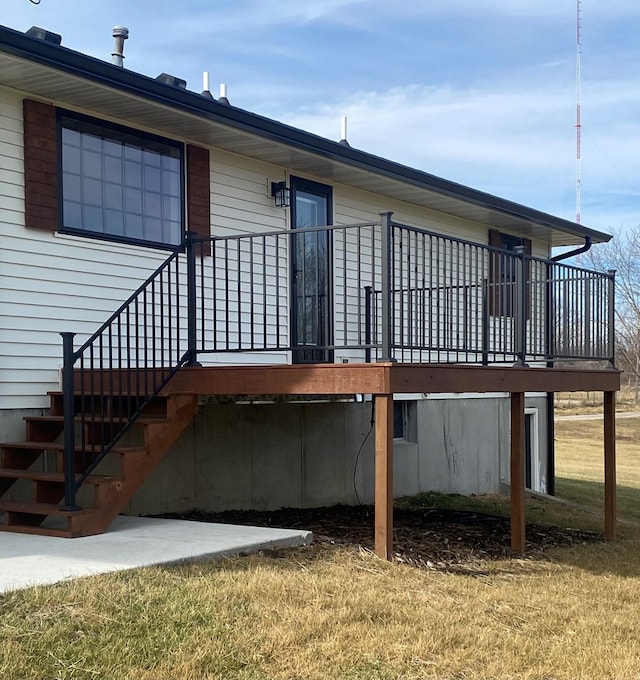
(383,380)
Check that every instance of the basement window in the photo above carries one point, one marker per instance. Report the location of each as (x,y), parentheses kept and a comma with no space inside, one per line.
(404,420)
(399,413)
(120,184)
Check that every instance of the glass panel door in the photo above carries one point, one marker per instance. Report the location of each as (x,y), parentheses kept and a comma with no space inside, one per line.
(311,273)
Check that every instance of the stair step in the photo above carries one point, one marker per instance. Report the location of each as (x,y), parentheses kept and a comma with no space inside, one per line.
(40,509)
(22,455)
(58,395)
(164,420)
(43,509)
(36,530)
(123,404)
(54,476)
(94,420)
(59,446)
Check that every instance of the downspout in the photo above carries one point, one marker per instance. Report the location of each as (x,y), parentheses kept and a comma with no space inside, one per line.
(551,425)
(578,251)
(551,444)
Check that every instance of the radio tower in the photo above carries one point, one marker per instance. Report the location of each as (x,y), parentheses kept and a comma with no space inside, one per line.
(578,123)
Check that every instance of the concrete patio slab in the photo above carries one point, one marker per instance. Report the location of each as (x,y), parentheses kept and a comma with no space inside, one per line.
(131,542)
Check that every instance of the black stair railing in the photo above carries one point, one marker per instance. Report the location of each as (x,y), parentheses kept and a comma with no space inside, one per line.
(116,373)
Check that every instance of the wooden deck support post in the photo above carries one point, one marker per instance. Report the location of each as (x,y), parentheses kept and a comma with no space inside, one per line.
(610,464)
(517,473)
(384,476)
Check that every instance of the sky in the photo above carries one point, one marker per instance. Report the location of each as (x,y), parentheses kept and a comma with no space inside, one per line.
(479,92)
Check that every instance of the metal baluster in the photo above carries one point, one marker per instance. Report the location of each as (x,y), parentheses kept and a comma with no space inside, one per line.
(68,405)
(520,304)
(387,294)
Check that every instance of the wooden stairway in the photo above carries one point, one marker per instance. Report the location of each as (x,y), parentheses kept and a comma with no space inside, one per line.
(31,472)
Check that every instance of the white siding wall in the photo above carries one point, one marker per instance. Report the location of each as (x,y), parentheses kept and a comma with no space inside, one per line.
(51,282)
(240,205)
(353,206)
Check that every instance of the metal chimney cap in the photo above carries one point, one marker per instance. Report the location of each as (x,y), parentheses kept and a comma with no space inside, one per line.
(120,33)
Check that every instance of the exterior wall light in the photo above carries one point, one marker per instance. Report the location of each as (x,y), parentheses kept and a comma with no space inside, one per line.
(281,194)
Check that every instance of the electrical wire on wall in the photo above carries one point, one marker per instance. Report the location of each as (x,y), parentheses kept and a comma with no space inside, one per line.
(364,441)
(34,2)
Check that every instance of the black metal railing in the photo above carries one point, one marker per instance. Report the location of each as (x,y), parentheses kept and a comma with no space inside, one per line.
(453,300)
(379,291)
(116,373)
(399,293)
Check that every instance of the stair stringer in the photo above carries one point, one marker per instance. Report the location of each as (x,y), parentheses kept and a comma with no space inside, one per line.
(159,438)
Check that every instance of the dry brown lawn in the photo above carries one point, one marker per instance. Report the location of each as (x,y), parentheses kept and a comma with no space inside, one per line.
(580,403)
(341,613)
(579,464)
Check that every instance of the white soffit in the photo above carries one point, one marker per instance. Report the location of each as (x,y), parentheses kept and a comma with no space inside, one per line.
(73,91)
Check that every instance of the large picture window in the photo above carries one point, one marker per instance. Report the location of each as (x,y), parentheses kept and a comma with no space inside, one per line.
(120,184)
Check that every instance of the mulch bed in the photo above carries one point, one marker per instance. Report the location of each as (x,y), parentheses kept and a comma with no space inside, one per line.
(424,537)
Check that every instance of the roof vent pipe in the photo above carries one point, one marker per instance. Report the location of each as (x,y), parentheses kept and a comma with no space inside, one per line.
(343,132)
(120,33)
(223,94)
(206,85)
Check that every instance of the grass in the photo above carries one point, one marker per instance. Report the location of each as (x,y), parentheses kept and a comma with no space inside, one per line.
(581,403)
(579,464)
(314,614)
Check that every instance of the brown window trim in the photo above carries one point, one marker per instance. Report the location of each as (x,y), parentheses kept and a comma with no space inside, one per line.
(199,194)
(41,168)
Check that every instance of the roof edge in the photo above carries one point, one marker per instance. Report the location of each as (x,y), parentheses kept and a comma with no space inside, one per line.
(105,73)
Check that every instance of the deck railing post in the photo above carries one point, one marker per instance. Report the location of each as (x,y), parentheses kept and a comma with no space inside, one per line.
(190,249)
(68,405)
(520,306)
(611,273)
(387,282)
(485,322)
(550,330)
(368,295)
(549,308)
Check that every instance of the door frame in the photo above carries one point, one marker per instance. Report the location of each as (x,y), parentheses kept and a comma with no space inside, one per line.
(325,190)
(532,447)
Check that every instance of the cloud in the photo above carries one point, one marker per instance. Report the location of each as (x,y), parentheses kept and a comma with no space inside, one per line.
(479,92)
(240,18)
(510,140)
(515,8)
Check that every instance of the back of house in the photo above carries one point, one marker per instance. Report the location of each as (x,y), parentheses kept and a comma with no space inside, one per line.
(206,235)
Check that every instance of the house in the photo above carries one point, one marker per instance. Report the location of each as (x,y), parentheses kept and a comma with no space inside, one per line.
(321,293)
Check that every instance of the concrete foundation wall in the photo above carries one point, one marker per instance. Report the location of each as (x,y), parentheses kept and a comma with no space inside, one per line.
(272,455)
(461,443)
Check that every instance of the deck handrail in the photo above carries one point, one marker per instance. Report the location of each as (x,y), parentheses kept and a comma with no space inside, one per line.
(392,292)
(513,322)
